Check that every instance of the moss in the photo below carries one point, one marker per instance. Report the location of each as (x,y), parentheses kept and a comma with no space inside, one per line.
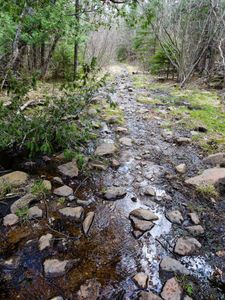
(207,191)
(147,100)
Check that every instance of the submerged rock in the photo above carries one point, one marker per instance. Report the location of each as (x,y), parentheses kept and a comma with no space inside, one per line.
(89,291)
(172,265)
(175,216)
(35,212)
(144,214)
(75,213)
(63,191)
(149,191)
(105,149)
(172,290)
(10,220)
(45,241)
(15,178)
(141,280)
(186,246)
(88,222)
(209,176)
(69,169)
(114,193)
(22,202)
(56,268)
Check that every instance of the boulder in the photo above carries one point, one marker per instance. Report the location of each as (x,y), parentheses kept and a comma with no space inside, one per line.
(35,212)
(10,220)
(105,149)
(215,159)
(22,202)
(45,241)
(182,168)
(186,246)
(194,218)
(141,280)
(172,265)
(125,141)
(88,222)
(209,176)
(75,213)
(15,178)
(141,225)
(69,169)
(63,191)
(172,290)
(144,214)
(195,230)
(148,296)
(56,268)
(114,193)
(175,216)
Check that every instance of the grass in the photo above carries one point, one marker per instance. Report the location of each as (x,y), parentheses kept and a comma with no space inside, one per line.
(39,189)
(22,212)
(207,191)
(5,188)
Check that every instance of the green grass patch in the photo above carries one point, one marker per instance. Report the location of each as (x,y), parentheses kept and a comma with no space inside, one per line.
(207,191)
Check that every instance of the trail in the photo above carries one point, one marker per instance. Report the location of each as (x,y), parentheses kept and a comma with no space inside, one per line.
(109,257)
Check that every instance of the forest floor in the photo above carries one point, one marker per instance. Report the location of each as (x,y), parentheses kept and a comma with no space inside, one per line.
(111,232)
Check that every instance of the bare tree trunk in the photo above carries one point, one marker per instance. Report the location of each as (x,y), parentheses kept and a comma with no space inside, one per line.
(76,44)
(50,53)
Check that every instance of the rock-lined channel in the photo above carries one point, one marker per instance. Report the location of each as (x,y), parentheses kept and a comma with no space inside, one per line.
(126,233)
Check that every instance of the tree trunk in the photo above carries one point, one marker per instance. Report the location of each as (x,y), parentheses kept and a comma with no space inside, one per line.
(76,45)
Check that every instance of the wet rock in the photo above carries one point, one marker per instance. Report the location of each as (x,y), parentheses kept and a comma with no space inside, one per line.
(56,268)
(88,221)
(115,163)
(105,149)
(172,290)
(10,220)
(15,178)
(90,290)
(47,184)
(125,141)
(183,140)
(58,180)
(186,246)
(148,296)
(149,191)
(209,176)
(121,129)
(114,193)
(75,213)
(194,218)
(63,191)
(195,230)
(98,165)
(144,214)
(57,298)
(182,168)
(141,225)
(22,202)
(45,241)
(69,169)
(35,212)
(215,159)
(137,233)
(175,216)
(11,263)
(172,265)
(141,280)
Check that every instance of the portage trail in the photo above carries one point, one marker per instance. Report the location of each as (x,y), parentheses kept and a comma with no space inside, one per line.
(135,229)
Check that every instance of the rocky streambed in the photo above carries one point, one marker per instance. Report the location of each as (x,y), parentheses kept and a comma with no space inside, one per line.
(131,227)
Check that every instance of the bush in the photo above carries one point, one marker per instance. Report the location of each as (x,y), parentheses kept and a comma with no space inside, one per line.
(159,62)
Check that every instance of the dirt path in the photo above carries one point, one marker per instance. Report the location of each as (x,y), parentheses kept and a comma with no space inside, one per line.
(123,241)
